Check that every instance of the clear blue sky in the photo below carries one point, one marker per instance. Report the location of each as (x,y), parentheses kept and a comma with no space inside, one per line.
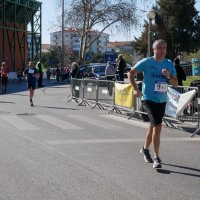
(50,12)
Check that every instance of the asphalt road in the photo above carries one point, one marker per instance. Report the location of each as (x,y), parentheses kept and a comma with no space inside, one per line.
(58,150)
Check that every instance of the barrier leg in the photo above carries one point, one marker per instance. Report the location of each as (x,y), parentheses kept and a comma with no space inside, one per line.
(196,132)
(73,99)
(84,103)
(99,106)
(135,114)
(167,123)
(115,109)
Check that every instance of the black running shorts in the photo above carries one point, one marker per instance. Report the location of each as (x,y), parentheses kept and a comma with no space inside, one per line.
(32,85)
(155,111)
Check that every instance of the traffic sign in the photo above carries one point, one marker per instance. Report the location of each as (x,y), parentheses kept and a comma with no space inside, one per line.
(88,57)
(109,56)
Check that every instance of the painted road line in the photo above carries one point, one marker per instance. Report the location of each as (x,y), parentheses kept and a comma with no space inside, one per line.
(57,122)
(19,123)
(121,140)
(131,122)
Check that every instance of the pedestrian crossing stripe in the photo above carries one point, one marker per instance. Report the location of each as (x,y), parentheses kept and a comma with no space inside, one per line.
(19,123)
(96,122)
(124,120)
(57,122)
(24,125)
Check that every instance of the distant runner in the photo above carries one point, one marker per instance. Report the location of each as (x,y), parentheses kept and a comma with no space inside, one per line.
(31,73)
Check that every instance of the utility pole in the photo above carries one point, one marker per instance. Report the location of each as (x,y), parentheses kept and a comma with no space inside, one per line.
(62,39)
(151,16)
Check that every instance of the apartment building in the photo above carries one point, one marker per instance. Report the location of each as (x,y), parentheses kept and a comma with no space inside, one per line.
(72,40)
(120,46)
(45,48)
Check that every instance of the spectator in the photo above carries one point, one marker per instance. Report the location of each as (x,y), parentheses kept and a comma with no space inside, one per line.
(48,73)
(110,71)
(20,75)
(66,74)
(4,77)
(121,65)
(40,73)
(75,70)
(180,72)
(57,74)
(75,74)
(110,75)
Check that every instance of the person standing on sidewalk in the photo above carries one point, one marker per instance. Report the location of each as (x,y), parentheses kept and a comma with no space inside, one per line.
(110,76)
(4,77)
(158,73)
(31,73)
(121,65)
(180,72)
(57,74)
(40,73)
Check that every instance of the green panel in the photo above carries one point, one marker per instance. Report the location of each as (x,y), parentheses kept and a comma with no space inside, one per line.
(15,16)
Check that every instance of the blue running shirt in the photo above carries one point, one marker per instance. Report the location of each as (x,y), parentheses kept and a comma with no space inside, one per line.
(154,87)
(31,74)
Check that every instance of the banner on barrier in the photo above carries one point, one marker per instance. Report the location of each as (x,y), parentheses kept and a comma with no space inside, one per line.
(123,95)
(177,102)
(195,67)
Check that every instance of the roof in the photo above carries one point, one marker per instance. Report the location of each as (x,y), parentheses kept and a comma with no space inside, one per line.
(74,30)
(120,43)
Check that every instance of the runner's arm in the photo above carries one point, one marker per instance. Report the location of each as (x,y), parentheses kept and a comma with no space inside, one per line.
(131,77)
(173,81)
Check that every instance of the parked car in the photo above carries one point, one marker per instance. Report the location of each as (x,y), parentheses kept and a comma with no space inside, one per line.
(95,71)
(128,68)
(82,70)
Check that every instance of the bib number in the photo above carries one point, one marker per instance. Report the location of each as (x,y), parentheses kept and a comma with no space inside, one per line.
(161,87)
(30,71)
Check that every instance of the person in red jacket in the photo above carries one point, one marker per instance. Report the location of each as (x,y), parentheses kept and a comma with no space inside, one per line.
(4,77)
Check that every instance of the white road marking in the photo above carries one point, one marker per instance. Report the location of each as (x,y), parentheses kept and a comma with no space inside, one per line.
(95,122)
(19,123)
(57,122)
(118,140)
(131,122)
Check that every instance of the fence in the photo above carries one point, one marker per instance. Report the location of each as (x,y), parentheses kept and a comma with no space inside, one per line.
(102,94)
(187,67)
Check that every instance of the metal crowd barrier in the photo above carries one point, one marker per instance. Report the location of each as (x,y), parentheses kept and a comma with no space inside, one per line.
(190,115)
(101,94)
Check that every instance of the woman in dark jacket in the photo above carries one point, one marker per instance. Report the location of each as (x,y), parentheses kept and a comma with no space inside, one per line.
(76,84)
(179,71)
(40,72)
(75,70)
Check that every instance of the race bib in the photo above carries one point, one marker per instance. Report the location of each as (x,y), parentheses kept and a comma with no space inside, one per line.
(161,87)
(30,71)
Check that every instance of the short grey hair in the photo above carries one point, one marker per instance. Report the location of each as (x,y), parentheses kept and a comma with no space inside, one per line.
(156,42)
(74,65)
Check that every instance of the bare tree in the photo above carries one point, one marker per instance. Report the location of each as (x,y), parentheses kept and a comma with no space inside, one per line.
(86,15)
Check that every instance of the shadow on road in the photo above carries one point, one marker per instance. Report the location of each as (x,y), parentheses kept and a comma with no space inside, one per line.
(53,107)
(165,171)
(15,87)
(7,102)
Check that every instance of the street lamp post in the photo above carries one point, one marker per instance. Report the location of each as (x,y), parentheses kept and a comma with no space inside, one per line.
(151,15)
(62,40)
